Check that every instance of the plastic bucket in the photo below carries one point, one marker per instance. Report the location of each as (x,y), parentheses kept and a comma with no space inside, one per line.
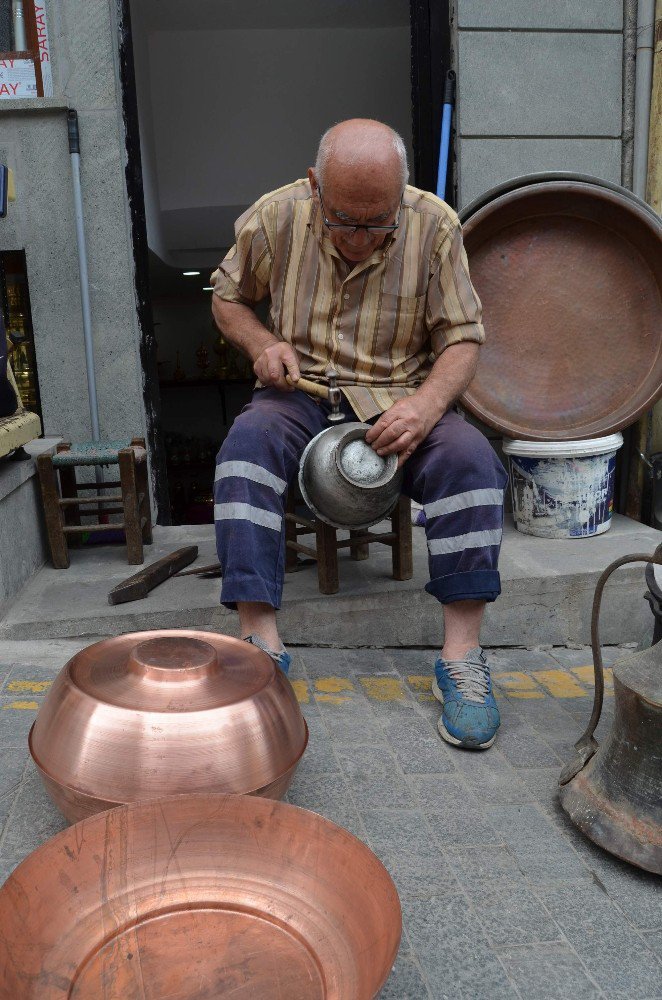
(563,489)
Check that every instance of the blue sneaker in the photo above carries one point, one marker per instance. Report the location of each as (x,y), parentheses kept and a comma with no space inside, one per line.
(282,659)
(470,717)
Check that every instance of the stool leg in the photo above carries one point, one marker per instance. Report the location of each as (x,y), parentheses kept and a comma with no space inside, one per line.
(327,558)
(358,552)
(129,488)
(291,560)
(142,478)
(68,488)
(401,550)
(57,540)
(144,507)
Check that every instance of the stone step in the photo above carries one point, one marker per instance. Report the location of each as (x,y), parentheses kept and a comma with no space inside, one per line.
(547,593)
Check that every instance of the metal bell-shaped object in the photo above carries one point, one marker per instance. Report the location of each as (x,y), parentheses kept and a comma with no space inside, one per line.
(613,792)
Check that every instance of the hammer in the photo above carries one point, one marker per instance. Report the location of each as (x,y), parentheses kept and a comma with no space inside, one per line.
(330,392)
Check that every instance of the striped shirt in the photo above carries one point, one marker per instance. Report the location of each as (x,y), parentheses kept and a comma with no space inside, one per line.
(380,323)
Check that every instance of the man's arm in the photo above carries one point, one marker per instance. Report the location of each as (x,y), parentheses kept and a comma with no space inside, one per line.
(409,421)
(272,358)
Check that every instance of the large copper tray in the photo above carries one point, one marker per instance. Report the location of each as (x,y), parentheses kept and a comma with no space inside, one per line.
(198,897)
(149,714)
(570,276)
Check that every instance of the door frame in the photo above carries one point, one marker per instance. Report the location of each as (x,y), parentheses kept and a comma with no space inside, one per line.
(135,194)
(432,56)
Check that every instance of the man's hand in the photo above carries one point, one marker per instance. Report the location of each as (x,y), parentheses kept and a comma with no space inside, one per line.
(274,363)
(401,429)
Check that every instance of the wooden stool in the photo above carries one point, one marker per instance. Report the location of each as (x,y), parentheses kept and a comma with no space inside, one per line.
(327,543)
(63,507)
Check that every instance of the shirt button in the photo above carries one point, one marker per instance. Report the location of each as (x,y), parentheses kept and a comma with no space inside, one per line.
(346,295)
(341,336)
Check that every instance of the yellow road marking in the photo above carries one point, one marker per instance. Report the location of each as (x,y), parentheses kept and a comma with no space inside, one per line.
(333,699)
(33,687)
(22,704)
(301,691)
(517,684)
(333,685)
(422,687)
(420,683)
(587,676)
(383,688)
(559,683)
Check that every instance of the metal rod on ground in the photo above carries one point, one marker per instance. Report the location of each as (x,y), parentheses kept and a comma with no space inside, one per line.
(444,144)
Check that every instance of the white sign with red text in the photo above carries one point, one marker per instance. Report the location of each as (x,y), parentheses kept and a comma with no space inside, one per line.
(44,49)
(17,79)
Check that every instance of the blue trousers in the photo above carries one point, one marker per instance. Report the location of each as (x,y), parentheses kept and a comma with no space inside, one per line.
(454,473)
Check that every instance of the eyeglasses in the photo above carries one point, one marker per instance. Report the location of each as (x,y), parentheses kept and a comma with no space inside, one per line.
(350,230)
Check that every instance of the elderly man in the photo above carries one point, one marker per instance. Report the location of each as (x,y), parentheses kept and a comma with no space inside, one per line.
(367,274)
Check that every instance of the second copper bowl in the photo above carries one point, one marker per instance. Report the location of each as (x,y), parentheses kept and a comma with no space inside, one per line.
(150,714)
(196,897)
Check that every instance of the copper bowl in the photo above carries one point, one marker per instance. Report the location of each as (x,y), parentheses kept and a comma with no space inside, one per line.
(570,277)
(195,897)
(158,713)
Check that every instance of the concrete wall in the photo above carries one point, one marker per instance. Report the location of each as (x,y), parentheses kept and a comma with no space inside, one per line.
(23,544)
(33,141)
(539,88)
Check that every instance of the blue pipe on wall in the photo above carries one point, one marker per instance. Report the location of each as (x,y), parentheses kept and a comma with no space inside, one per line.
(444,144)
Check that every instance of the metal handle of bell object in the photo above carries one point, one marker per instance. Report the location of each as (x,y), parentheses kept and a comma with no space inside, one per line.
(586,746)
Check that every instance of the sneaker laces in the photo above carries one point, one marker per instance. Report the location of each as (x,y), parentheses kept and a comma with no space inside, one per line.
(257,640)
(471,677)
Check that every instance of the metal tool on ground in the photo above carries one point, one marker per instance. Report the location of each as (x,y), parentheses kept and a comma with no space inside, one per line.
(330,392)
(613,792)
(210,569)
(135,587)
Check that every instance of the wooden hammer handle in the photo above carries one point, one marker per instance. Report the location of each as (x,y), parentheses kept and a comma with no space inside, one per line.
(312,388)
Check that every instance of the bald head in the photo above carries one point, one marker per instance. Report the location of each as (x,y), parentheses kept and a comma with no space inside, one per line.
(369,152)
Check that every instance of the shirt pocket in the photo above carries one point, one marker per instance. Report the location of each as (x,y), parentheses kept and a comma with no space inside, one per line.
(401,326)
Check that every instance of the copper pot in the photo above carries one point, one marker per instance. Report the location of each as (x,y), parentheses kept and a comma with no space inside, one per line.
(195,897)
(157,713)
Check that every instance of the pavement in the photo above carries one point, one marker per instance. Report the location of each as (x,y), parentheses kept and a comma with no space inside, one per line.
(502,897)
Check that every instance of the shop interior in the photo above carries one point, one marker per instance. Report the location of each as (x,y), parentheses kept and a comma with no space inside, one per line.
(233,96)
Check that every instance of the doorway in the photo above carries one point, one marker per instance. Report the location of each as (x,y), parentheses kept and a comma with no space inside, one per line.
(232,97)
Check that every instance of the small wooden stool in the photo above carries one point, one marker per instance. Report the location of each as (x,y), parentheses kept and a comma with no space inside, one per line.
(327,543)
(63,507)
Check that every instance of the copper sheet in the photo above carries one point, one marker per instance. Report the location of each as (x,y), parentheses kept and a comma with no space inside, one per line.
(570,277)
(199,897)
(159,713)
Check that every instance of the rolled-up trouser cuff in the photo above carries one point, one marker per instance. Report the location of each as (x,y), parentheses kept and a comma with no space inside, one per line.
(478,585)
(255,590)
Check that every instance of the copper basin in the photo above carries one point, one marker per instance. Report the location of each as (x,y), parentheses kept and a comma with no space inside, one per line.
(160,713)
(196,897)
(570,277)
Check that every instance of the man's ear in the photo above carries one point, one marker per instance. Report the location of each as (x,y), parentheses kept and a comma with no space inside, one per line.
(313,180)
